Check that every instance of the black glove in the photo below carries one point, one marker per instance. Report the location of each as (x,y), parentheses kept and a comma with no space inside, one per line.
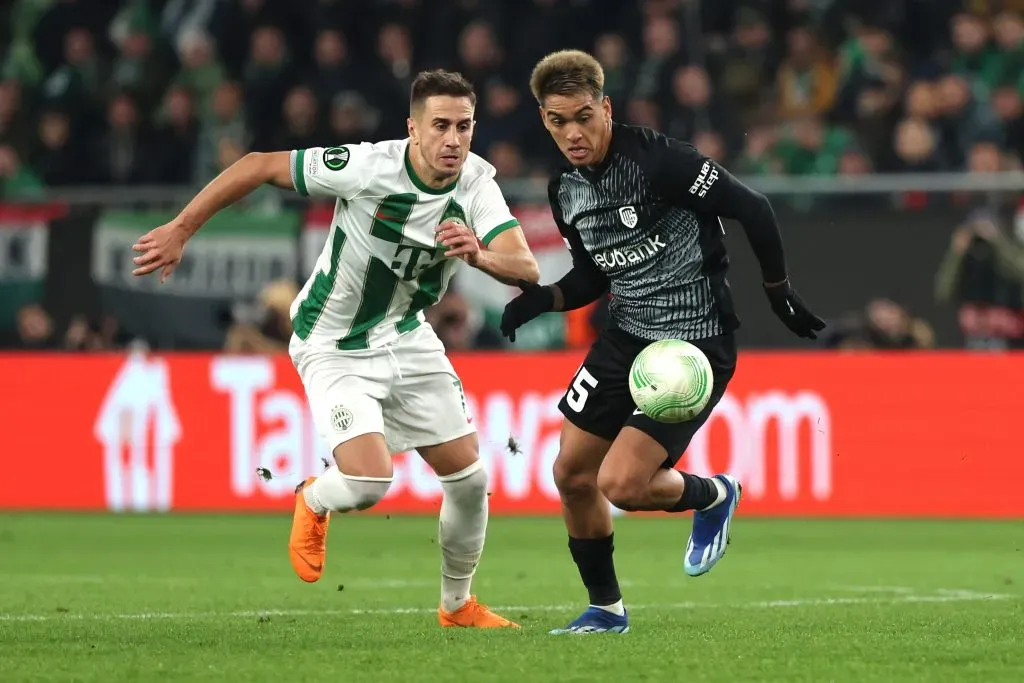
(792,311)
(535,300)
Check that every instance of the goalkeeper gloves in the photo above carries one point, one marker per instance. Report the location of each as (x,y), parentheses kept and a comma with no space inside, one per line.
(790,309)
(535,300)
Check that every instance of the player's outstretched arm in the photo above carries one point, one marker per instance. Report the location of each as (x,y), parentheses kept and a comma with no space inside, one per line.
(161,248)
(706,187)
(582,285)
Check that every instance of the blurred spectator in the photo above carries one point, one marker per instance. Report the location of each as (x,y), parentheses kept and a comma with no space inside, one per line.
(917,147)
(77,82)
(1006,104)
(757,156)
(883,325)
(171,157)
(501,117)
(137,67)
(334,70)
(35,329)
(506,159)
(16,180)
(120,152)
(457,325)
(982,274)
(201,73)
(711,145)
(661,55)
(226,120)
(58,156)
(964,119)
(353,119)
(695,107)
(974,55)
(266,80)
(479,53)
(393,76)
(807,77)
(810,147)
(301,127)
(612,52)
(641,112)
(267,327)
(745,67)
(15,119)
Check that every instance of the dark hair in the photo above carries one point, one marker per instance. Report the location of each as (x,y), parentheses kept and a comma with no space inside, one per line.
(567,72)
(439,82)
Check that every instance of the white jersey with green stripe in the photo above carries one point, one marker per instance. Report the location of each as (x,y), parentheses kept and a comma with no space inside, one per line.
(381,265)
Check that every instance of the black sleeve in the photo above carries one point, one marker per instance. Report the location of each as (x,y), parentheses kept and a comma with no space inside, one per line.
(684,175)
(585,282)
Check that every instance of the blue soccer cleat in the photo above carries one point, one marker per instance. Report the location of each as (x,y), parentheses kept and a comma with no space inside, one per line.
(596,620)
(710,535)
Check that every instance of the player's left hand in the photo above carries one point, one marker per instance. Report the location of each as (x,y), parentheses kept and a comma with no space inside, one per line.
(792,311)
(459,241)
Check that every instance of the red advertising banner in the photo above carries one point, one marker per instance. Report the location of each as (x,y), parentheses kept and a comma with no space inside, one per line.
(813,434)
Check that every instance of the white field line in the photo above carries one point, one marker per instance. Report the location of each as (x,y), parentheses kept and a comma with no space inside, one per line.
(943,596)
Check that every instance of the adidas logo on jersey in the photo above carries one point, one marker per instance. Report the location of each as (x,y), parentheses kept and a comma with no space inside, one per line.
(611,258)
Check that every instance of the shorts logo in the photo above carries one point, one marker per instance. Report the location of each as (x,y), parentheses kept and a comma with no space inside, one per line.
(336,158)
(462,396)
(341,418)
(628,216)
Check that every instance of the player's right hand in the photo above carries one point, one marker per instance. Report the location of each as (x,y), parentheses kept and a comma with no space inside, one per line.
(160,248)
(535,300)
(792,311)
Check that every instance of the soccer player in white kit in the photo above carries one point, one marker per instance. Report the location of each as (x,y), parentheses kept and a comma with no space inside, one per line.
(376,376)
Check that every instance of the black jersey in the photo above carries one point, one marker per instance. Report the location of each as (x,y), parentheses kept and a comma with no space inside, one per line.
(645,225)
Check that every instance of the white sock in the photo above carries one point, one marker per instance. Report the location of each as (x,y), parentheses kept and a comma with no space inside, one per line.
(335,491)
(721,492)
(461,530)
(615,608)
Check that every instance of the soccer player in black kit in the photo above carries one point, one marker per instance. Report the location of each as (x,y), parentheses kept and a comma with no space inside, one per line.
(640,213)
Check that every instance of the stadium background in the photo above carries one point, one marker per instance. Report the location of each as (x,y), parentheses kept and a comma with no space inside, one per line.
(888,134)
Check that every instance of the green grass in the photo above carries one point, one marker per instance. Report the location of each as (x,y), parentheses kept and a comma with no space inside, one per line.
(183,598)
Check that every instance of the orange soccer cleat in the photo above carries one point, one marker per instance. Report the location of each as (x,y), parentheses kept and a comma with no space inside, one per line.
(473,615)
(307,546)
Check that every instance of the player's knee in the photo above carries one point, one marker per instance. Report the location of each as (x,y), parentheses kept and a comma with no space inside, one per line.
(623,492)
(572,480)
(367,491)
(468,486)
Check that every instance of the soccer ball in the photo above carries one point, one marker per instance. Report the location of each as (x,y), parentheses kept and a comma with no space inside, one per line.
(671,381)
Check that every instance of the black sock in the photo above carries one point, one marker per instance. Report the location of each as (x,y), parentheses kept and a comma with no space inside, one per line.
(593,556)
(698,493)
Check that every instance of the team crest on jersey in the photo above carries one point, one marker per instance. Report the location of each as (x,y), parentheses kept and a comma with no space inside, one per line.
(341,418)
(628,216)
(336,158)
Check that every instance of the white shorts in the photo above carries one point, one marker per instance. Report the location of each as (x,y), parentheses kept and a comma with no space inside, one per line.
(408,391)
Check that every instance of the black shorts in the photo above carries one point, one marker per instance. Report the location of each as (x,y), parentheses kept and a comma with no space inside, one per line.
(598,399)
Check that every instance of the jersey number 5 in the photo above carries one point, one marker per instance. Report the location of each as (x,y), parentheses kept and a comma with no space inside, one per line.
(576,397)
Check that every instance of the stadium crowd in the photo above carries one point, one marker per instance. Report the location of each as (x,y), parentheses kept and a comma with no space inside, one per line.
(171,91)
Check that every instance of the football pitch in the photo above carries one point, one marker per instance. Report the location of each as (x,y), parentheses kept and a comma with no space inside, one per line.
(213,598)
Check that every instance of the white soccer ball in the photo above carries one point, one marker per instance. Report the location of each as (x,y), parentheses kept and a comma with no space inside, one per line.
(671,381)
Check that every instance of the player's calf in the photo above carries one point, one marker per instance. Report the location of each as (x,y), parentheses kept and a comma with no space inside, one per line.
(462,529)
(356,488)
